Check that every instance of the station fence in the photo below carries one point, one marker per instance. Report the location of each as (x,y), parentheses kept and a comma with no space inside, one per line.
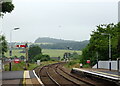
(115,65)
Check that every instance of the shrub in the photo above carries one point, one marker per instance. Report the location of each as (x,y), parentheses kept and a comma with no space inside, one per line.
(86,66)
(33,51)
(41,57)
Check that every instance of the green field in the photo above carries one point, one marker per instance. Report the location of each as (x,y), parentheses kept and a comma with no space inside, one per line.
(51,52)
(57,52)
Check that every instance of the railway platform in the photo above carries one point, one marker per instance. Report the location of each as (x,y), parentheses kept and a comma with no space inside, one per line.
(105,74)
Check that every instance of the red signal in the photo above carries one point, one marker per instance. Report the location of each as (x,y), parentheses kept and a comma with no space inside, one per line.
(16,60)
(20,45)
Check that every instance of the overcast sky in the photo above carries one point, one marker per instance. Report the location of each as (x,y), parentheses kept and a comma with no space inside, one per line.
(62,19)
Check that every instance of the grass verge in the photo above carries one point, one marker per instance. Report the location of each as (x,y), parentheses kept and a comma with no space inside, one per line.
(20,66)
(76,64)
(72,64)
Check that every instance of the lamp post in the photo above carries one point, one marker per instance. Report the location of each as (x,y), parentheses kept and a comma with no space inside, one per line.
(109,49)
(97,59)
(10,53)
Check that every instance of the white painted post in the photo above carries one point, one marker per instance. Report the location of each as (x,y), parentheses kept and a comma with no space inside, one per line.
(38,62)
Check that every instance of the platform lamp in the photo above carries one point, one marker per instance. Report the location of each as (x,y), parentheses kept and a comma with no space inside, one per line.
(110,59)
(10,53)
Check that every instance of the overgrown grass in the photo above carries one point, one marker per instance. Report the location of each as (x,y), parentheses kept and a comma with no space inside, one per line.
(76,64)
(72,64)
(86,66)
(21,66)
(48,62)
(32,66)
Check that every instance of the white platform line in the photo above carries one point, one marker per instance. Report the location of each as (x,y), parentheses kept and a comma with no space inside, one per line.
(38,79)
(96,73)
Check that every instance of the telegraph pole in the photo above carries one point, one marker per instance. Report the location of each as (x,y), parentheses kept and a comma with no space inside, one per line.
(26,49)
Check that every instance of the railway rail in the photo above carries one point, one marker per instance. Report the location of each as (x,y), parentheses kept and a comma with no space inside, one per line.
(56,75)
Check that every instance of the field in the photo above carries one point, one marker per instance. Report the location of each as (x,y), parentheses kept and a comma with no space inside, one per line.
(51,52)
(56,52)
(15,53)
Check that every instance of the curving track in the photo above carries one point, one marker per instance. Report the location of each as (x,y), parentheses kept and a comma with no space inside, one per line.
(55,75)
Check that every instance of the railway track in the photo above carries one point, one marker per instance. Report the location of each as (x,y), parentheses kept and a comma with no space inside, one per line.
(54,75)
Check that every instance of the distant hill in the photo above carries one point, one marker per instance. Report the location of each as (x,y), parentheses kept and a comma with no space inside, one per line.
(51,43)
(51,40)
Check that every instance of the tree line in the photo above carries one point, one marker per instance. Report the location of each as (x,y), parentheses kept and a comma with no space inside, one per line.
(73,45)
(52,43)
(100,43)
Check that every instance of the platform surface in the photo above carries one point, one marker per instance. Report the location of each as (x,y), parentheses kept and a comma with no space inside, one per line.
(18,78)
(114,75)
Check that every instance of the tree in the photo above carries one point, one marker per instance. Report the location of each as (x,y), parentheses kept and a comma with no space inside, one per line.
(6,7)
(37,57)
(45,58)
(33,51)
(118,41)
(74,55)
(100,43)
(3,45)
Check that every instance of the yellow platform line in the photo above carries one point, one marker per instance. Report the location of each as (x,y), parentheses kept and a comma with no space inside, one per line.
(25,77)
